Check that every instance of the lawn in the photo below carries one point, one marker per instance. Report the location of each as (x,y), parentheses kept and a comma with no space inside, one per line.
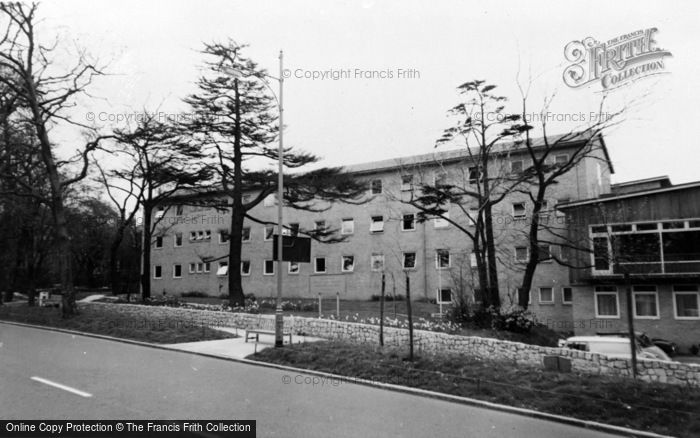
(661,408)
(98,321)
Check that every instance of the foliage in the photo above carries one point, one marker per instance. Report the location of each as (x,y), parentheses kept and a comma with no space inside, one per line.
(397,297)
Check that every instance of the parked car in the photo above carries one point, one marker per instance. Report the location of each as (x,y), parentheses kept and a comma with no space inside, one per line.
(611,346)
(668,347)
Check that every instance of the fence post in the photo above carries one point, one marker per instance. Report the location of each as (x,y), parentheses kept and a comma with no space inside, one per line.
(337,305)
(410,317)
(319,305)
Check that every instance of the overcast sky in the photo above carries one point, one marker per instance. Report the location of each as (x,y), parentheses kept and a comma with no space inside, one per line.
(152,49)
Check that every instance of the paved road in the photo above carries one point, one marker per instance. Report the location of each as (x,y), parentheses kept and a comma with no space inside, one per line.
(132,382)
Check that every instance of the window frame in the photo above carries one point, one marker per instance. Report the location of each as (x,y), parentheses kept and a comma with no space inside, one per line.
(372,187)
(289,268)
(437,259)
(515,254)
(438,297)
(155,269)
(655,293)
(175,266)
(563,295)
(265,232)
(616,293)
(539,295)
(222,264)
(403,260)
(413,222)
(265,272)
(250,266)
(372,258)
(342,264)
(351,221)
(442,221)
(407,186)
(519,216)
(158,244)
(250,234)
(685,292)
(325,265)
(175,240)
(376,226)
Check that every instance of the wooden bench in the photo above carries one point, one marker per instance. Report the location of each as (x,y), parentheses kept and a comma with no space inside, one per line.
(255,334)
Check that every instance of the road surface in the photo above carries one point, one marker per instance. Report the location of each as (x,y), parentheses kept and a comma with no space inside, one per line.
(51,375)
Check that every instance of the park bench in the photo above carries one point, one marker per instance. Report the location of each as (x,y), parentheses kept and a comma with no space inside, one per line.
(266,326)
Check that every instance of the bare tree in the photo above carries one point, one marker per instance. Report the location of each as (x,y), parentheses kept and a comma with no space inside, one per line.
(45,95)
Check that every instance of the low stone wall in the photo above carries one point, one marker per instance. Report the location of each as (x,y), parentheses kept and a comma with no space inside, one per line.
(426,341)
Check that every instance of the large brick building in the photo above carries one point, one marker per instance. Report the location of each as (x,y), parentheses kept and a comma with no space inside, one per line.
(383,236)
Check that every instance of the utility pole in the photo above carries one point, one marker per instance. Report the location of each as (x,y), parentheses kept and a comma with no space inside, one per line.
(279,320)
(630,324)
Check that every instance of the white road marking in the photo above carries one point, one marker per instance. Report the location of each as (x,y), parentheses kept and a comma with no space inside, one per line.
(63,387)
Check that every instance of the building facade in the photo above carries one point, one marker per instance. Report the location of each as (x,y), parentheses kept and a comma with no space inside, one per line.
(384,237)
(643,240)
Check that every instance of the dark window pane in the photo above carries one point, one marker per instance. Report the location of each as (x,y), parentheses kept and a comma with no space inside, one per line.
(681,246)
(631,248)
(600,253)
(599,229)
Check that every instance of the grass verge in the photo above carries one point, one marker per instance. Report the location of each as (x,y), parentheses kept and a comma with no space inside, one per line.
(91,320)
(661,408)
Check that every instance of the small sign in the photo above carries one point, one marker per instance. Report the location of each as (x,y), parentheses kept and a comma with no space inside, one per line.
(294,249)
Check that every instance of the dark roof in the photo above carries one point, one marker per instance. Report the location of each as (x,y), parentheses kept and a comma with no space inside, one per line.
(616,197)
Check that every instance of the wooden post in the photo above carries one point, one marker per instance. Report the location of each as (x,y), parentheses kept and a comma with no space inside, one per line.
(630,325)
(381,313)
(337,305)
(410,317)
(319,305)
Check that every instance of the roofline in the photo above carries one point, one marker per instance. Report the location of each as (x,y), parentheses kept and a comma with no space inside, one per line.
(642,181)
(398,161)
(690,185)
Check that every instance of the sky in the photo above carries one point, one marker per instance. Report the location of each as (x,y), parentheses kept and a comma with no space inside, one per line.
(404,61)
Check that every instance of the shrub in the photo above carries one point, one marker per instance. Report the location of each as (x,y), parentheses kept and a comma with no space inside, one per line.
(378,297)
(694,349)
(194,294)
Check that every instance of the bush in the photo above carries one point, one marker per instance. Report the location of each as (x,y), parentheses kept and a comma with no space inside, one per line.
(514,320)
(398,297)
(694,349)
(194,294)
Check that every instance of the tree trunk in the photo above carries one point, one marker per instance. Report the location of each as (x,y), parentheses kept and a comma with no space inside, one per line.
(492,291)
(534,259)
(65,267)
(114,277)
(146,261)
(235,285)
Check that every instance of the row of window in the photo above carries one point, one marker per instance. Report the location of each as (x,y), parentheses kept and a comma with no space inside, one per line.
(408,223)
(347,264)
(686,302)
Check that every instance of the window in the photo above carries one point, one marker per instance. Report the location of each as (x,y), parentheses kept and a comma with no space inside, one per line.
(441,222)
(673,225)
(200,267)
(376,224)
(178,240)
(474,175)
(546,295)
(293,268)
(516,166)
(269,267)
(200,235)
(193,235)
(519,210)
(521,253)
(177,271)
(293,229)
(406,182)
(207,267)
(567,295)
(347,264)
(564,252)
(269,200)
(320,265)
(686,302)
(245,267)
(245,234)
(558,212)
(444,295)
(647,227)
(601,254)
(606,302)
(442,259)
(179,210)
(160,211)
(377,262)
(159,242)
(207,235)
(320,225)
(409,260)
(347,227)
(473,262)
(544,253)
(561,160)
(269,233)
(375,187)
(223,236)
(408,223)
(193,268)
(223,269)
(157,271)
(473,216)
(646,302)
